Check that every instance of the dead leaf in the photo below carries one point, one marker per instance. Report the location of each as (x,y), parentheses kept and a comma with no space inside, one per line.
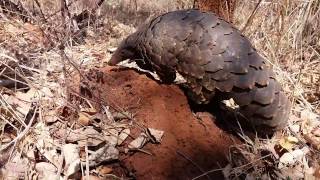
(123,136)
(112,136)
(104,170)
(84,119)
(15,168)
(121,115)
(108,113)
(310,121)
(106,153)
(45,144)
(139,142)
(317,173)
(288,142)
(6,113)
(47,171)
(227,171)
(73,168)
(116,133)
(316,132)
(50,116)
(295,172)
(85,136)
(5,155)
(313,140)
(21,103)
(71,157)
(290,158)
(156,134)
(89,111)
(5,138)
(295,128)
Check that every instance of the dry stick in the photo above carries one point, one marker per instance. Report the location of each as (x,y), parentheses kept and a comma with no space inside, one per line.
(16,23)
(64,13)
(64,56)
(206,173)
(14,80)
(195,164)
(87,162)
(12,111)
(55,13)
(10,7)
(141,150)
(23,133)
(250,163)
(41,12)
(67,132)
(8,122)
(294,84)
(116,108)
(249,21)
(16,61)
(236,168)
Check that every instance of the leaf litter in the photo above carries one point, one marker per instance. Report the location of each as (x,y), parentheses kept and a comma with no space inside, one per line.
(99,132)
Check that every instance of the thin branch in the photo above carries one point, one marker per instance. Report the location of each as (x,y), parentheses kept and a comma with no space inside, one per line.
(249,21)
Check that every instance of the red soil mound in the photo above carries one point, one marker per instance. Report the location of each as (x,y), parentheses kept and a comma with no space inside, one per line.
(187,143)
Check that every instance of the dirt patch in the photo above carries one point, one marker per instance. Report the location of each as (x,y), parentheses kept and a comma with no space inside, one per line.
(190,146)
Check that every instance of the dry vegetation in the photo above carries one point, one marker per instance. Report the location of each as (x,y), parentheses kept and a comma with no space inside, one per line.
(51,45)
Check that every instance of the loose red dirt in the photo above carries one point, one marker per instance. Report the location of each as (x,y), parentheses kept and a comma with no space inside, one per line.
(189,147)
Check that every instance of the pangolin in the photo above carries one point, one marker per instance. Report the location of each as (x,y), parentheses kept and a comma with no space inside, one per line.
(212,56)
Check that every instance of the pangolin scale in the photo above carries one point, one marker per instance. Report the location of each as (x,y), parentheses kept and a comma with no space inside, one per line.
(213,56)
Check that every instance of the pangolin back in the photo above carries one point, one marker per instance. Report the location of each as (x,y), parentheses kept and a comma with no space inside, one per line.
(213,56)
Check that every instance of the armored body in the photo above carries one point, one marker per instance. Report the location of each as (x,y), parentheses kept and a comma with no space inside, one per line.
(213,56)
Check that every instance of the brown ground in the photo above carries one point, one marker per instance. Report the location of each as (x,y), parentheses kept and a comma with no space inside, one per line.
(166,108)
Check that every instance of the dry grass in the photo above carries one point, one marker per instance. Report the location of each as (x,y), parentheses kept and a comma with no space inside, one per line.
(285,32)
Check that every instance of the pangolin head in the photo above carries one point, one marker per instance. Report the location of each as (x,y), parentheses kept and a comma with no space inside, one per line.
(126,50)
